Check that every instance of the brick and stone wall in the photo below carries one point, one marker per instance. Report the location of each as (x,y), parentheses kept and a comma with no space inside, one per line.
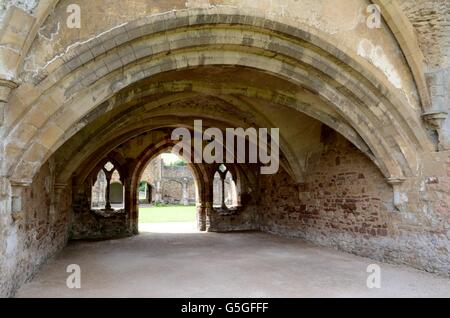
(151,65)
(346,203)
(29,237)
(343,194)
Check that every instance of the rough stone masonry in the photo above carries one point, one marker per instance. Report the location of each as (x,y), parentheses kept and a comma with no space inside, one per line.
(361,107)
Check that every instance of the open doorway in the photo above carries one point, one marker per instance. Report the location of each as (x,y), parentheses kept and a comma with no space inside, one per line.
(167,196)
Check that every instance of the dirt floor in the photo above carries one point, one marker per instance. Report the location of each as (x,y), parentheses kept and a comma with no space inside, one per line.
(191,264)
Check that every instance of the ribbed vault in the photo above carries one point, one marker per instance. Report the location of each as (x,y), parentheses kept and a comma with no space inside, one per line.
(360,104)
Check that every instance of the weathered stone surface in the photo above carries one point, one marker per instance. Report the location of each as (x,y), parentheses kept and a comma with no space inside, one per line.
(364,139)
(345,203)
(26,5)
(29,240)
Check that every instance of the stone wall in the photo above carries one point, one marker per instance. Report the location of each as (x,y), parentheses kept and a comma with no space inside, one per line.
(80,92)
(430,20)
(245,219)
(89,223)
(29,237)
(346,203)
(176,172)
(26,5)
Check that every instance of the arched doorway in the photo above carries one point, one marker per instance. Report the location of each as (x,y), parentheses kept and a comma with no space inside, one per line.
(172,204)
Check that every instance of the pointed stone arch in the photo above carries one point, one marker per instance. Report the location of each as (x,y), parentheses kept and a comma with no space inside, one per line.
(303,56)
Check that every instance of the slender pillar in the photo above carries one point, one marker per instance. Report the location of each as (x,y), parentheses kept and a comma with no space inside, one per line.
(222,178)
(108,194)
(148,195)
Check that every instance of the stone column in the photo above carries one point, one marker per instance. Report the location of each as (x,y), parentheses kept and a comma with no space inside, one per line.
(201,217)
(208,213)
(108,194)
(58,191)
(223,205)
(131,206)
(6,87)
(148,194)
(17,190)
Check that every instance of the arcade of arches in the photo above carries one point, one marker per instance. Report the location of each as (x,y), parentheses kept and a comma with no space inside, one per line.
(364,137)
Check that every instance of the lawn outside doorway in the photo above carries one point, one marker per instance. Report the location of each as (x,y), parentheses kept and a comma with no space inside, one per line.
(168,219)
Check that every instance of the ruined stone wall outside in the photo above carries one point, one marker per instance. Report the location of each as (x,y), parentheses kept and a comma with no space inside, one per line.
(172,191)
(41,230)
(176,172)
(152,172)
(170,178)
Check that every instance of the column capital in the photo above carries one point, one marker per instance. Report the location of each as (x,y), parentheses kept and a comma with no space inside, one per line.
(394,181)
(21,183)
(435,118)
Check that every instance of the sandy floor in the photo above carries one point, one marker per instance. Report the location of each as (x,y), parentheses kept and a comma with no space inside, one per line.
(193,264)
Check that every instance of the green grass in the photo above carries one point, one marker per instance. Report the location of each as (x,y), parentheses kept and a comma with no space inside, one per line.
(167,214)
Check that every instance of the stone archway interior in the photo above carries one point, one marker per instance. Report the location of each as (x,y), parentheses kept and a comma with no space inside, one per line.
(356,117)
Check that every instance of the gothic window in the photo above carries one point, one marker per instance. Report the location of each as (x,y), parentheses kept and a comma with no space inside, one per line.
(99,191)
(224,189)
(107,189)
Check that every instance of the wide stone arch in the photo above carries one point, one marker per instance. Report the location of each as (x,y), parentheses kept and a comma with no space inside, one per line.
(86,157)
(399,158)
(111,136)
(396,20)
(103,70)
